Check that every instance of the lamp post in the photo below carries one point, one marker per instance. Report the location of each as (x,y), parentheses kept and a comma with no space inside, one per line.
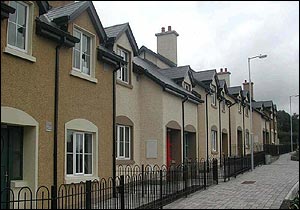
(292,120)
(250,95)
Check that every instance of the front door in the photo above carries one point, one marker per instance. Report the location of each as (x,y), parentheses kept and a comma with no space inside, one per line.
(11,158)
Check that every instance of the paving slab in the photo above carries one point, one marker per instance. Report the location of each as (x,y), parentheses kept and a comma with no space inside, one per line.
(271,185)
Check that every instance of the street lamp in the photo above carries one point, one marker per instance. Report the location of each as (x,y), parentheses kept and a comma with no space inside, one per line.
(292,120)
(250,95)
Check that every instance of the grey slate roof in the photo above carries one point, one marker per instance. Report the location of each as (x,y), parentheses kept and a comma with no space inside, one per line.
(175,72)
(257,104)
(69,12)
(117,30)
(114,31)
(155,72)
(160,57)
(66,10)
(234,90)
(206,75)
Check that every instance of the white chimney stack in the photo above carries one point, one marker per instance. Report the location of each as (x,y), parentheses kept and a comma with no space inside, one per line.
(167,44)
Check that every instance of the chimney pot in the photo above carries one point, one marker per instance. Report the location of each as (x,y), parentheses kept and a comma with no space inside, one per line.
(169,28)
(163,29)
(245,81)
(221,69)
(225,69)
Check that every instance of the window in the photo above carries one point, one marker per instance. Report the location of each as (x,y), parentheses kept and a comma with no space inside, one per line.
(82,53)
(123,142)
(187,86)
(18,26)
(79,153)
(223,105)
(240,107)
(214,140)
(186,146)
(123,73)
(213,96)
(247,112)
(247,139)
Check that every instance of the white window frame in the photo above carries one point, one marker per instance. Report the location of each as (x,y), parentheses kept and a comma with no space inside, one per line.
(214,99)
(223,105)
(187,86)
(26,53)
(126,66)
(27,25)
(74,153)
(247,138)
(214,142)
(123,157)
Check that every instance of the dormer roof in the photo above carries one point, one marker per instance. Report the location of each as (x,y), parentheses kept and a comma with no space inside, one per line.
(114,33)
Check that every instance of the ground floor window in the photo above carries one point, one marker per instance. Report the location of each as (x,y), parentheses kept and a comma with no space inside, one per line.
(79,153)
(123,142)
(214,140)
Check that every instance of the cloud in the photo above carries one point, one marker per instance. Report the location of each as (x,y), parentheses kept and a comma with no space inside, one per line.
(224,34)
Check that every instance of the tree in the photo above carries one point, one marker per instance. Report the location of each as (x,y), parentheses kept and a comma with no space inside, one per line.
(284,127)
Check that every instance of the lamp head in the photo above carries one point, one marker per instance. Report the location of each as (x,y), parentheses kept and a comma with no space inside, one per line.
(262,56)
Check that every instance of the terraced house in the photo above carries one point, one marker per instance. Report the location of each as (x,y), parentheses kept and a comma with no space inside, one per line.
(78,100)
(56,94)
(150,105)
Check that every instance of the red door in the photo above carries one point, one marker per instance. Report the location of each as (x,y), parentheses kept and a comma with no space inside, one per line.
(169,156)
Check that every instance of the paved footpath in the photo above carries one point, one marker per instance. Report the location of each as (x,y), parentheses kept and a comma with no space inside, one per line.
(272,184)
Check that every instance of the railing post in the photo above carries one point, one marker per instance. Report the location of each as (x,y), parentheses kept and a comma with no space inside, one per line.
(204,175)
(161,188)
(143,190)
(224,165)
(122,192)
(234,166)
(53,197)
(88,195)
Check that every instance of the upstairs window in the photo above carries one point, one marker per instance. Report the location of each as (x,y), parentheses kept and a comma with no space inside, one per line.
(247,111)
(223,105)
(82,53)
(123,73)
(213,96)
(187,86)
(17,32)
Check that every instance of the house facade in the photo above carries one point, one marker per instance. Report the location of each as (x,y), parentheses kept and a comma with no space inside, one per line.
(56,95)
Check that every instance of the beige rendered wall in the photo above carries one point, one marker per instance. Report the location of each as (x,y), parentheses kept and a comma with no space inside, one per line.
(127,97)
(154,60)
(172,111)
(151,124)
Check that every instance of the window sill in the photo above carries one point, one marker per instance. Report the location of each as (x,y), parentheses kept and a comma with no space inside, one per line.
(78,179)
(82,76)
(214,152)
(18,184)
(223,111)
(19,54)
(124,84)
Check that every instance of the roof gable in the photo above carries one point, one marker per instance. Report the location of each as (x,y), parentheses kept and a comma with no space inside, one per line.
(158,56)
(115,32)
(65,14)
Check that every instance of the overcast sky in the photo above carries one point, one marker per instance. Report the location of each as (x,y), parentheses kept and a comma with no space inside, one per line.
(214,35)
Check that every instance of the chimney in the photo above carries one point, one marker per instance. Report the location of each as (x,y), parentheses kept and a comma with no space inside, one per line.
(224,75)
(246,87)
(167,44)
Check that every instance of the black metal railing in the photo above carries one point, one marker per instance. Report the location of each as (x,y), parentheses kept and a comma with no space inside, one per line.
(278,149)
(136,187)
(233,166)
